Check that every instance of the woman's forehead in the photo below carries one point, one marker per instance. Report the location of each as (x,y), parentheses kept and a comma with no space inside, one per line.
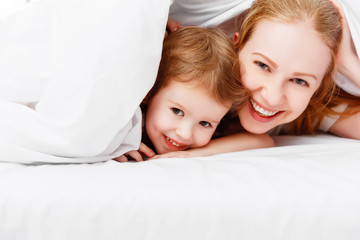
(294,44)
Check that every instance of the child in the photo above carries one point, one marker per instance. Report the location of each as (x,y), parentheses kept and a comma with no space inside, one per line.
(197,85)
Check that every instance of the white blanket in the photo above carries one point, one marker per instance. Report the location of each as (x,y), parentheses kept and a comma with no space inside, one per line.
(72,75)
(308,191)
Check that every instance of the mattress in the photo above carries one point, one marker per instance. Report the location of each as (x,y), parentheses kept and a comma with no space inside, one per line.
(305,188)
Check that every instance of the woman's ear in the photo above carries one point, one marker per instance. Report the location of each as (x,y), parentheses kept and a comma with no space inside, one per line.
(235,38)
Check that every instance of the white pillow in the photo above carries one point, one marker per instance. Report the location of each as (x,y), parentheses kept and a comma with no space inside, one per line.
(72,74)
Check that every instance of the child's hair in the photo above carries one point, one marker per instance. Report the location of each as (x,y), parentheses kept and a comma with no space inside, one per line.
(327,23)
(203,57)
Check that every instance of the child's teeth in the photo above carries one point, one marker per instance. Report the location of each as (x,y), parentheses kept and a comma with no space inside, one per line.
(172,142)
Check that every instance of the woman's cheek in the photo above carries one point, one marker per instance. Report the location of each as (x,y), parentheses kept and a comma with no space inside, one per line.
(300,103)
(245,80)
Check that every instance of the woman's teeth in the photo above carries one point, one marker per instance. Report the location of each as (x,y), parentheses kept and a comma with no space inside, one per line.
(261,111)
(174,143)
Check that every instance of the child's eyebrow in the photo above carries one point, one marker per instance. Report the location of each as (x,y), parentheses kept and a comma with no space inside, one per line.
(178,105)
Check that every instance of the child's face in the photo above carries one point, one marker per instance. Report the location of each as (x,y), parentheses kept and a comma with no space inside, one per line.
(283,66)
(182,116)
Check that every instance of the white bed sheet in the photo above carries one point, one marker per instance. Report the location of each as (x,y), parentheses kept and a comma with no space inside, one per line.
(307,191)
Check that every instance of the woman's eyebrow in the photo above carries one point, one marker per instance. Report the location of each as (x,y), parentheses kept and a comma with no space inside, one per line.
(305,74)
(274,65)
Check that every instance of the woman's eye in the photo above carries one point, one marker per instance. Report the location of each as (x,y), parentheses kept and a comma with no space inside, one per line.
(205,124)
(262,65)
(177,111)
(300,82)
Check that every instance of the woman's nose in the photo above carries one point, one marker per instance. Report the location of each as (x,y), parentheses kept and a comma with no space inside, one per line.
(273,93)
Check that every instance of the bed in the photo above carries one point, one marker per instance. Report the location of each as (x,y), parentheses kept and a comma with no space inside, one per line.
(305,188)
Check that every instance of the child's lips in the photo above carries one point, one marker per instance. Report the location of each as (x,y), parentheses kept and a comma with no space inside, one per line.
(174,144)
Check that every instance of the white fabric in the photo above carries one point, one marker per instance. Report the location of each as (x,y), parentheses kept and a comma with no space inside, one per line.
(306,191)
(352,13)
(206,13)
(211,13)
(327,122)
(8,7)
(72,74)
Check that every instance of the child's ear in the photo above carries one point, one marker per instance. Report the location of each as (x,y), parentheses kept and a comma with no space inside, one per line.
(235,38)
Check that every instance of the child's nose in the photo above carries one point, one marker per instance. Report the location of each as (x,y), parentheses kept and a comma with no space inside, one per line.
(184,131)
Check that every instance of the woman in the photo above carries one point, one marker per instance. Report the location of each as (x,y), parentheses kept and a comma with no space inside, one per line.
(288,66)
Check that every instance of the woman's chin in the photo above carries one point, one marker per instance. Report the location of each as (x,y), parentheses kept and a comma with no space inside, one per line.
(253,123)
(255,128)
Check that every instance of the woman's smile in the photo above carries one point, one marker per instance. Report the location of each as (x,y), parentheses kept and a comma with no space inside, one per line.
(259,113)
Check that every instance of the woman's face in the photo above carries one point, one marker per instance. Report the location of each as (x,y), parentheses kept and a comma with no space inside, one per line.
(283,64)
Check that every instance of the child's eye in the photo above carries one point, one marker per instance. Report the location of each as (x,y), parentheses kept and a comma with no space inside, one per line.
(262,65)
(205,124)
(177,111)
(301,82)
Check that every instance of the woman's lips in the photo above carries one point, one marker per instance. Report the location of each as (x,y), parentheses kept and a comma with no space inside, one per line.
(260,113)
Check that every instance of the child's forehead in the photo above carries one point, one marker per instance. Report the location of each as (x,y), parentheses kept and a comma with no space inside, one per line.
(196,80)
(196,85)
(194,101)
(181,84)
(194,93)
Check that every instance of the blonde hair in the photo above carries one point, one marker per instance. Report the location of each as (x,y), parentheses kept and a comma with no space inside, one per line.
(204,57)
(326,22)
